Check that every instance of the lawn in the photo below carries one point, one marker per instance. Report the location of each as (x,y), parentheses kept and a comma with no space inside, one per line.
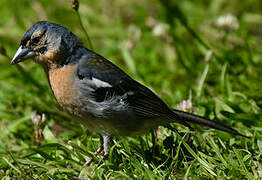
(208,53)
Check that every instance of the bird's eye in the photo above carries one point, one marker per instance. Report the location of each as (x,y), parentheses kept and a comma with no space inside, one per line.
(42,50)
(35,40)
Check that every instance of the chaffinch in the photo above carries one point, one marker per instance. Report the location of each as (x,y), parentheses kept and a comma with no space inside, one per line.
(95,91)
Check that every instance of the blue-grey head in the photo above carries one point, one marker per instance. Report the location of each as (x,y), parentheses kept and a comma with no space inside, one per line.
(46,43)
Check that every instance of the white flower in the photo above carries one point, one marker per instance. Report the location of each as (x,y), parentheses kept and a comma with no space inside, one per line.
(160,29)
(185,105)
(228,21)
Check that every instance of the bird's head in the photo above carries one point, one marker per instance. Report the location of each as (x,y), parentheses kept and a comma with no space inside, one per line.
(46,43)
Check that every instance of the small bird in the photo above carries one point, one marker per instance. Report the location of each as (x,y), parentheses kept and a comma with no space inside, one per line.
(96,92)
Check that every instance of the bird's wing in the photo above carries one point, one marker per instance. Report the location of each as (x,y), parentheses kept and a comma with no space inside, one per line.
(107,81)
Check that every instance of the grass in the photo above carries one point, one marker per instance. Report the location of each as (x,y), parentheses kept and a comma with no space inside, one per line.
(175,48)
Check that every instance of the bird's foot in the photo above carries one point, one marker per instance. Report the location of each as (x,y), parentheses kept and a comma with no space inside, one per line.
(107,144)
(88,163)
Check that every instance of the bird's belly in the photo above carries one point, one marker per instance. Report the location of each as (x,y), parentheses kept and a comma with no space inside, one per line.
(122,125)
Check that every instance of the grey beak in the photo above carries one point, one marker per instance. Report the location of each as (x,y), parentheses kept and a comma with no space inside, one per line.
(22,54)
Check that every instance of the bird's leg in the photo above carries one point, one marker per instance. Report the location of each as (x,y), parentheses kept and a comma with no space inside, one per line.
(88,163)
(107,144)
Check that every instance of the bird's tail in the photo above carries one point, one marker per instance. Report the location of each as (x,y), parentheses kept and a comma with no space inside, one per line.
(191,118)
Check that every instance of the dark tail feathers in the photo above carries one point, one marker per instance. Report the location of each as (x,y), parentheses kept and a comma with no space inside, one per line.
(206,122)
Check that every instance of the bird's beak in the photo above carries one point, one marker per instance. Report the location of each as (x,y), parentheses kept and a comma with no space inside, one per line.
(22,54)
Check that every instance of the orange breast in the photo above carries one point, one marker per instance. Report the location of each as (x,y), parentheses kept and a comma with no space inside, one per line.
(63,85)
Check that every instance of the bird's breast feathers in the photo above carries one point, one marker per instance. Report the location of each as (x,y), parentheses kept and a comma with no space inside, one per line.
(62,83)
(77,96)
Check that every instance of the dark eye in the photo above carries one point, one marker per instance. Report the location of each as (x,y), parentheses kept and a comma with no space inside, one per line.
(35,40)
(42,50)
